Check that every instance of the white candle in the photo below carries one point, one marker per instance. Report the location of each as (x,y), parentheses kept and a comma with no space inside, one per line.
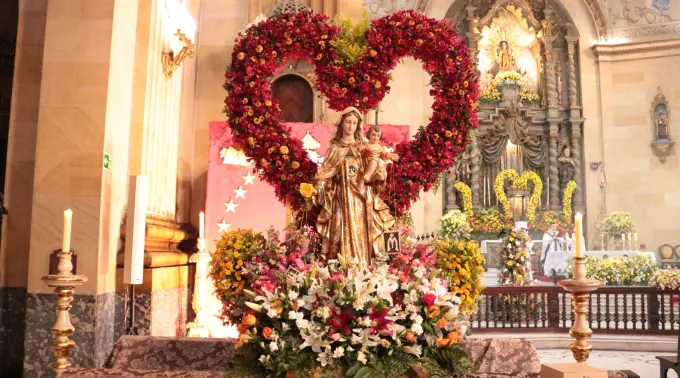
(201,225)
(635,236)
(66,240)
(578,228)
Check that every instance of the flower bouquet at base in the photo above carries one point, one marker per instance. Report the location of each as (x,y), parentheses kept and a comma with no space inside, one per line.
(345,319)
(635,270)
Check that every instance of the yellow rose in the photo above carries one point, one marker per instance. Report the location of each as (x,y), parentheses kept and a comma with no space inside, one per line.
(284,150)
(307,190)
(249,319)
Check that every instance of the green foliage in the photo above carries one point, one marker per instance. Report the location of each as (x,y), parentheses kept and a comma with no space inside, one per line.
(453,359)
(395,365)
(283,361)
(351,43)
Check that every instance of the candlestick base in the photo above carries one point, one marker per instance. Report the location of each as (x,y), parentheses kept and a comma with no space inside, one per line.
(580,290)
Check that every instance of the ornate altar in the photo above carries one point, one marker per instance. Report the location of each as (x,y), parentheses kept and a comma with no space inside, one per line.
(530,115)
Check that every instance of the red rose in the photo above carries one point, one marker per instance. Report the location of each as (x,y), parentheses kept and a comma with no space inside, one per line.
(429,299)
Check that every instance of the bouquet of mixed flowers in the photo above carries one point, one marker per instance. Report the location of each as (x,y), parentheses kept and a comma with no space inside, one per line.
(508,78)
(617,223)
(636,270)
(489,220)
(516,259)
(666,279)
(545,219)
(455,225)
(463,266)
(347,319)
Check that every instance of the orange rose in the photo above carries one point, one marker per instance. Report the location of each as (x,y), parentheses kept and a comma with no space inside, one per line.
(410,336)
(373,53)
(241,56)
(295,165)
(441,323)
(443,342)
(251,141)
(249,319)
(453,337)
(433,311)
(259,48)
(284,150)
(267,333)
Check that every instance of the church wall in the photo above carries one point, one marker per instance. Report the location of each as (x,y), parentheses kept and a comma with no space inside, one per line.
(637,181)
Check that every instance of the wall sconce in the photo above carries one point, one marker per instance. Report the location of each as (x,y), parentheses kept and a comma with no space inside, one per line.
(179,45)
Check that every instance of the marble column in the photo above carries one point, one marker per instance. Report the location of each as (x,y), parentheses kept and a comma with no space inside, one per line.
(571,72)
(475,177)
(553,120)
(450,192)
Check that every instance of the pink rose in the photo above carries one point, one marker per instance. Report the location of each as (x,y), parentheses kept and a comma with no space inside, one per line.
(429,299)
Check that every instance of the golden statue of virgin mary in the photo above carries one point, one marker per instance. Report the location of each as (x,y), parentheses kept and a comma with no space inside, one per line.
(353,217)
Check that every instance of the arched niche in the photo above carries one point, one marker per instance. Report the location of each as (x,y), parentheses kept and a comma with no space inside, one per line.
(295,96)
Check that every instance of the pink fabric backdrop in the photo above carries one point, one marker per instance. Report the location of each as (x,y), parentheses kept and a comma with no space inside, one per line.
(259,209)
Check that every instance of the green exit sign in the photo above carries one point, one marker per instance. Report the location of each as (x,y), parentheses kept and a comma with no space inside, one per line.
(107,161)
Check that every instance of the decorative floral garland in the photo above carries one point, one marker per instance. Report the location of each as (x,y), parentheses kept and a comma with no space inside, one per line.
(499,188)
(535,198)
(467,197)
(282,161)
(566,201)
(520,182)
(463,266)
(516,259)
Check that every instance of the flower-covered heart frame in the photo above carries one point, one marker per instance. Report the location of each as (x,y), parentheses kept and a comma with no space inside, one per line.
(281,159)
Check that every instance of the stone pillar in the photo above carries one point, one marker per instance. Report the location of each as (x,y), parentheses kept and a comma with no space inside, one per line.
(553,170)
(571,72)
(19,179)
(450,195)
(576,126)
(553,109)
(84,113)
(475,177)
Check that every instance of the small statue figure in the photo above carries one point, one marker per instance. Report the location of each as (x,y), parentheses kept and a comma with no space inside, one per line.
(567,164)
(505,58)
(353,218)
(661,129)
(376,154)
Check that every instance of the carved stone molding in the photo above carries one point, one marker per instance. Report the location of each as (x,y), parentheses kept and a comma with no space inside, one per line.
(166,243)
(596,11)
(422,5)
(646,31)
(662,149)
(636,50)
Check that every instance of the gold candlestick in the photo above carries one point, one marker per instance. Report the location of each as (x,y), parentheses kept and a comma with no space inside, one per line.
(580,287)
(64,283)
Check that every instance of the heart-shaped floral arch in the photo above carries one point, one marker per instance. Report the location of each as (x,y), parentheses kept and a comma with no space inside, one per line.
(282,161)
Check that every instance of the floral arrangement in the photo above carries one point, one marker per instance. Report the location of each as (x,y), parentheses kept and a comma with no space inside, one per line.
(499,189)
(523,183)
(666,279)
(281,160)
(636,270)
(348,318)
(467,197)
(617,223)
(489,220)
(566,200)
(455,225)
(246,260)
(490,94)
(545,219)
(516,255)
(529,96)
(462,264)
(509,78)
(350,42)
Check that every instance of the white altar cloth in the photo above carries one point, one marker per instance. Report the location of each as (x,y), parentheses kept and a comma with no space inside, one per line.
(652,255)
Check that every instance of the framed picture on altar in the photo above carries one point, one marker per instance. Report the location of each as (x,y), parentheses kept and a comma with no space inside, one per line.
(522,224)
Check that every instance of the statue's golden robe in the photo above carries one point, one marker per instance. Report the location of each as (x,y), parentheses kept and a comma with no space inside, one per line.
(353,217)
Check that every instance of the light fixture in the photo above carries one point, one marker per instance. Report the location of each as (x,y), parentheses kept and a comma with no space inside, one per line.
(179,45)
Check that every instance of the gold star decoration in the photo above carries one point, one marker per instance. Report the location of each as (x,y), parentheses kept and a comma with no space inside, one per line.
(231,206)
(223,226)
(249,178)
(240,193)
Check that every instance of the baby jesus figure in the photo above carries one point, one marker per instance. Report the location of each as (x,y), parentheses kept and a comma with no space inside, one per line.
(375,153)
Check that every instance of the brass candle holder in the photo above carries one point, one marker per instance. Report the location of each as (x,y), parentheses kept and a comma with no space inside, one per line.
(202,259)
(64,284)
(580,288)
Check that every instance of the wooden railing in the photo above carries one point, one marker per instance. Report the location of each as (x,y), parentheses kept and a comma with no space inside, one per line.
(622,310)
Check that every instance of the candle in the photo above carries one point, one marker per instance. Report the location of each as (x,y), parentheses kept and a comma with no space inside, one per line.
(578,223)
(201,225)
(623,237)
(635,236)
(66,240)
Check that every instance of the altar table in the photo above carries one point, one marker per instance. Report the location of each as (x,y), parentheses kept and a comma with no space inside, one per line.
(652,255)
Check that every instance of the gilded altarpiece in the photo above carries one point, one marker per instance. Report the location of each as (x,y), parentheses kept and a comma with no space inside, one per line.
(530,104)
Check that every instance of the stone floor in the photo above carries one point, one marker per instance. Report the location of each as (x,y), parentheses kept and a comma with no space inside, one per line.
(642,363)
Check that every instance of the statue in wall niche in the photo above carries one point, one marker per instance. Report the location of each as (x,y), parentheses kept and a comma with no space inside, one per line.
(567,164)
(505,58)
